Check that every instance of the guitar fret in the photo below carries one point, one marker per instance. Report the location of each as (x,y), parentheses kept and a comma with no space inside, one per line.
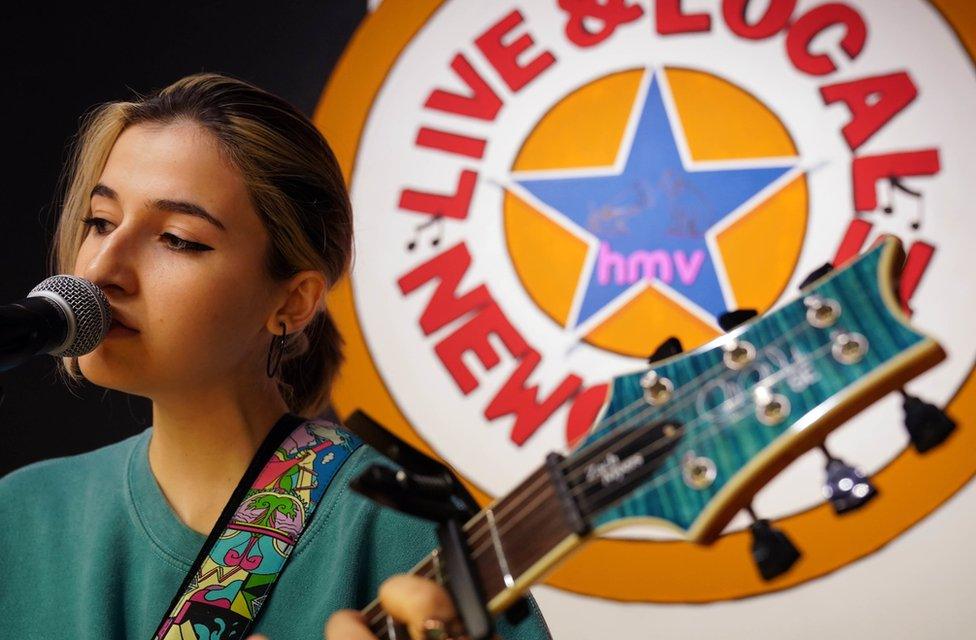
(520,529)
(438,567)
(499,551)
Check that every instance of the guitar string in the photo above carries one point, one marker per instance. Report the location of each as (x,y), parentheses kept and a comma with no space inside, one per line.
(676,403)
(519,518)
(658,444)
(543,482)
(712,431)
(681,402)
(689,384)
(479,550)
(672,408)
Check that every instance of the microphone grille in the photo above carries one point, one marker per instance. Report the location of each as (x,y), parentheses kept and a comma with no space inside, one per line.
(86,307)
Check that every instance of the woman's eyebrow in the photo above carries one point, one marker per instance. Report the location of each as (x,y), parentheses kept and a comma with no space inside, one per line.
(174,206)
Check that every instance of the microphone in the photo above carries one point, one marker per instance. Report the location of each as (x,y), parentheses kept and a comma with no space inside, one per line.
(63,316)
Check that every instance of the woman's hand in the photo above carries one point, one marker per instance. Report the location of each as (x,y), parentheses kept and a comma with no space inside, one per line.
(422,605)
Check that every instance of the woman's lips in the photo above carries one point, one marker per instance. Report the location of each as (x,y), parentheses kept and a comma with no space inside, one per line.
(121,319)
(118,329)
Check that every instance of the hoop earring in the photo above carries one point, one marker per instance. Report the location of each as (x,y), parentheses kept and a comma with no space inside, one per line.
(275,349)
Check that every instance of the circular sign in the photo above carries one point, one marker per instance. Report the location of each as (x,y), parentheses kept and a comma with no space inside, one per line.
(545,191)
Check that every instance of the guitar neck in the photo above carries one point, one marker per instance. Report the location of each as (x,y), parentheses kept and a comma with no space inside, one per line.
(513,542)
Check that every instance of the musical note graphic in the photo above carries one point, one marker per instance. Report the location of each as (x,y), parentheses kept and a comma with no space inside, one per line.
(895,184)
(438,221)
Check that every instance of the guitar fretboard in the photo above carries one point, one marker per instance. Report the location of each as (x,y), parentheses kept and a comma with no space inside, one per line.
(508,541)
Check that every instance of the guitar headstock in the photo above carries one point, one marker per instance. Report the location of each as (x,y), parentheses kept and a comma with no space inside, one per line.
(689,441)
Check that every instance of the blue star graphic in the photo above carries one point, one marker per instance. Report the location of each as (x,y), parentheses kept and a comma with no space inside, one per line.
(649,221)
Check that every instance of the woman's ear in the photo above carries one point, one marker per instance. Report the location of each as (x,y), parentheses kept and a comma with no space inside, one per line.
(304,297)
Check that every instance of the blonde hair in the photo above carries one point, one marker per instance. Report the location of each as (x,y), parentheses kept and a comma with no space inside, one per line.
(294,182)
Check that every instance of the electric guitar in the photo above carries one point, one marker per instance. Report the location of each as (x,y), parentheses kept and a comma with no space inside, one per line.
(687,442)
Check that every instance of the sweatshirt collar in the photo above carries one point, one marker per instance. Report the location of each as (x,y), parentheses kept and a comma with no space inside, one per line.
(151,511)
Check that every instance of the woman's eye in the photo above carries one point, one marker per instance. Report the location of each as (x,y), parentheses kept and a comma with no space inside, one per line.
(172,241)
(177,243)
(97,223)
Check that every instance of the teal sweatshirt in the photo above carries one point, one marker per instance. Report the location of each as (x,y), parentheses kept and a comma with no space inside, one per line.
(90,548)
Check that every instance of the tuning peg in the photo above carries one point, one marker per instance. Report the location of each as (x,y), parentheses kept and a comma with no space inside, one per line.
(846,487)
(670,347)
(928,425)
(772,550)
(732,319)
(816,274)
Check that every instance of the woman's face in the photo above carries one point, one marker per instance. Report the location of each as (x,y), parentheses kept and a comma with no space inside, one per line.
(178,248)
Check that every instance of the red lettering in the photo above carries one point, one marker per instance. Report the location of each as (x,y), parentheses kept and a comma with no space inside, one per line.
(451,142)
(515,398)
(850,245)
(611,14)
(473,336)
(504,58)
(453,205)
(671,20)
(811,24)
(445,306)
(872,102)
(582,415)
(867,170)
(772,22)
(482,103)
(916,262)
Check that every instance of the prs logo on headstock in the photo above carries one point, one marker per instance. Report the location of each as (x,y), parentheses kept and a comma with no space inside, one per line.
(789,364)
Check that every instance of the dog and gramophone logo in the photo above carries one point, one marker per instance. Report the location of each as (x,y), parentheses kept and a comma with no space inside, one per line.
(547,190)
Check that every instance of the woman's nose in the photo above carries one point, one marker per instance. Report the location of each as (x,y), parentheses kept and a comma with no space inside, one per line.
(112,262)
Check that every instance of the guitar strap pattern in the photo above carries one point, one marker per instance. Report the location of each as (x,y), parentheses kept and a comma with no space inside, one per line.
(238,565)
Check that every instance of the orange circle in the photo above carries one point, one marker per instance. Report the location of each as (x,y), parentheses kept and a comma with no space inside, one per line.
(628,570)
(720,121)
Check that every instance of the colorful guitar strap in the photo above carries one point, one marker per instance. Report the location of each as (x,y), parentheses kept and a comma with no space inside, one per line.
(237,567)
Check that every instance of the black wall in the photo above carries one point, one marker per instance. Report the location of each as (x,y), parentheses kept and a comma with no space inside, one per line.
(59,61)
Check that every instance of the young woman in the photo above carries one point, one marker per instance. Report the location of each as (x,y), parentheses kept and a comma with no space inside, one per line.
(214,217)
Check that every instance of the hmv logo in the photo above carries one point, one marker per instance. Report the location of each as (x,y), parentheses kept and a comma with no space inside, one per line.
(666,266)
